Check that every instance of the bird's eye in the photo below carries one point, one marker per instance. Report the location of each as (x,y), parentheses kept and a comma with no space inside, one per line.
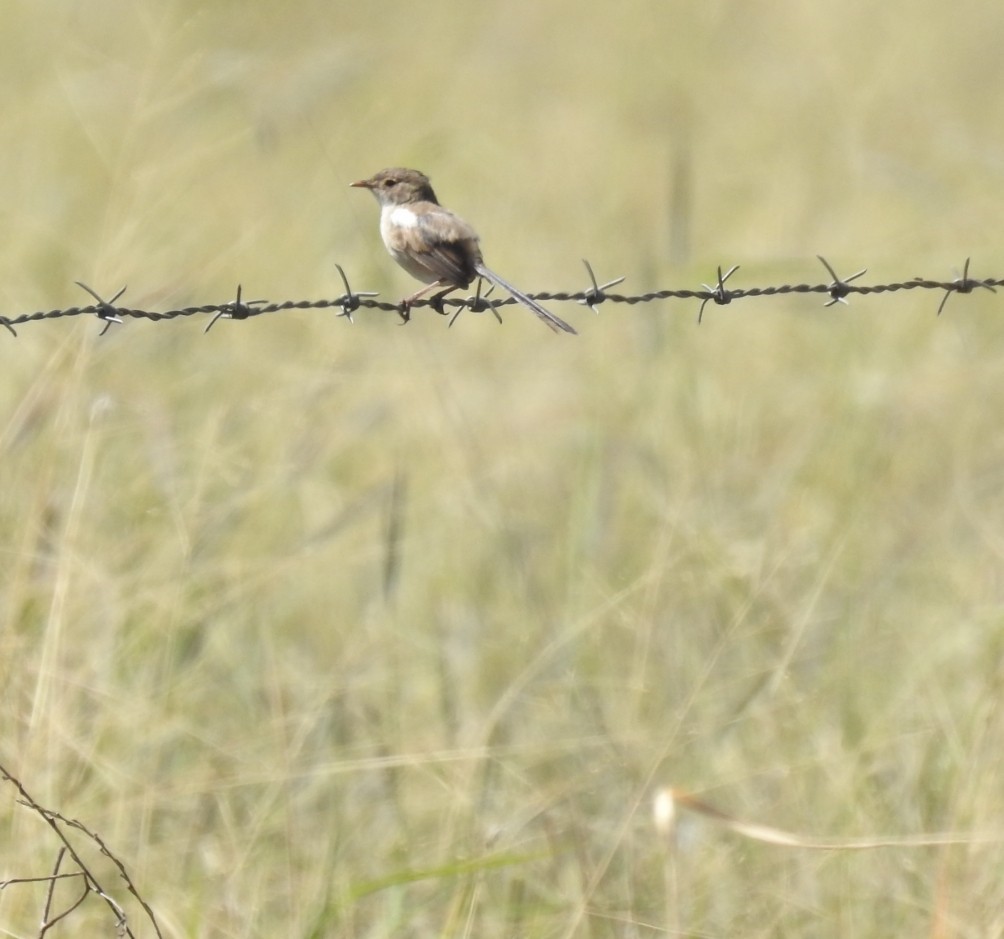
(389,182)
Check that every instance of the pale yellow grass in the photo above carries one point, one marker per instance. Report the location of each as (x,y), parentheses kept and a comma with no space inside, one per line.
(339,629)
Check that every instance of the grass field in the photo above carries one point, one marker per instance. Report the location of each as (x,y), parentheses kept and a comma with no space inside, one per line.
(353,630)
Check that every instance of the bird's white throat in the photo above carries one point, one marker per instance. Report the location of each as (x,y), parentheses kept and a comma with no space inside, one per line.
(400,215)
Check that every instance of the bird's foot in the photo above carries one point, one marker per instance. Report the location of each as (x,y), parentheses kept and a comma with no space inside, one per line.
(436,302)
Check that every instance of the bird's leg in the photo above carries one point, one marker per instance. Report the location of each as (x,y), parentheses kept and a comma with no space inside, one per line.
(436,302)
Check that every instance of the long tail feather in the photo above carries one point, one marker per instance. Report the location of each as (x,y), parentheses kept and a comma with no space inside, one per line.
(549,318)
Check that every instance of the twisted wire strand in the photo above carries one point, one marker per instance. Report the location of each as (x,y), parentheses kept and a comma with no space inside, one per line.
(349,302)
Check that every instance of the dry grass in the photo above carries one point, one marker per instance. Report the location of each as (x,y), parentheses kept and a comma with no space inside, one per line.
(337,630)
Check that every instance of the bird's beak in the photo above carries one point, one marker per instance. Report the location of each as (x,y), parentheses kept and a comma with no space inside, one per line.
(362,184)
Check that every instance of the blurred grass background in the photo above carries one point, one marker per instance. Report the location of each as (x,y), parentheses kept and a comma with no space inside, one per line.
(354,630)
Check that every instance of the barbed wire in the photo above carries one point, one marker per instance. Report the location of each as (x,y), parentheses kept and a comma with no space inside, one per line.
(837,289)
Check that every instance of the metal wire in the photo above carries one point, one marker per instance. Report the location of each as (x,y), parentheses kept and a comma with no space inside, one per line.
(837,290)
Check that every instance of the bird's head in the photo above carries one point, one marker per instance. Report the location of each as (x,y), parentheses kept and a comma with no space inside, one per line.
(398,186)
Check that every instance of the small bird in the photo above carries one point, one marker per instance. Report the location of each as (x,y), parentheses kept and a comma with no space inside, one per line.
(431,243)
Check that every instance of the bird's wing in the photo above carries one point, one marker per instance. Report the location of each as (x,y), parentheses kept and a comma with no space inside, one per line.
(449,245)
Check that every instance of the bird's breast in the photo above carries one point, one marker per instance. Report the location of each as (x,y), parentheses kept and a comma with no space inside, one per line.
(399,229)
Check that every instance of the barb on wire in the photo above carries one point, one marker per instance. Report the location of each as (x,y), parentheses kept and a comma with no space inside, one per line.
(350,302)
(718,293)
(596,294)
(837,290)
(963,285)
(105,309)
(476,304)
(238,310)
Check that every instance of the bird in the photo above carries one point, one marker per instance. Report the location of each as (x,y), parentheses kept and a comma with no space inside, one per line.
(432,243)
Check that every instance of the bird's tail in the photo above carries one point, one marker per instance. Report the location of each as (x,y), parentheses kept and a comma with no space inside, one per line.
(553,321)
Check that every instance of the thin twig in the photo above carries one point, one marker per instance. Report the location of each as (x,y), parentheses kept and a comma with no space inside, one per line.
(53,820)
